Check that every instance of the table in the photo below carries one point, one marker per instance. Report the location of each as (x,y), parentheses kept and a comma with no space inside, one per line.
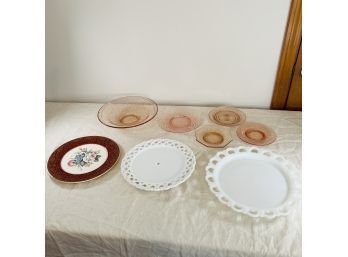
(108,217)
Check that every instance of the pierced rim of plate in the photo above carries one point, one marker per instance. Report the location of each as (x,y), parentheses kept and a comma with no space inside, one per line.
(227,116)
(290,172)
(126,165)
(132,118)
(56,171)
(256,133)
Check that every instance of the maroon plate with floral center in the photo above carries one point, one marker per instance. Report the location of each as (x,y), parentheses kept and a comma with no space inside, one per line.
(83,159)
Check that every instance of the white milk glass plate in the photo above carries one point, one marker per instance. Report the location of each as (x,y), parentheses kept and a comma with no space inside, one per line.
(158,164)
(253,181)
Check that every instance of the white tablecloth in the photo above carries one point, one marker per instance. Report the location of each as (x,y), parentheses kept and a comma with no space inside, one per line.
(108,217)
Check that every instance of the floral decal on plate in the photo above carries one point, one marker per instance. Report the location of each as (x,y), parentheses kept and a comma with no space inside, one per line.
(84,158)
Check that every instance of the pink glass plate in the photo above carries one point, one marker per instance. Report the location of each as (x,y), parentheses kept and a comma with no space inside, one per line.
(256,133)
(127,112)
(227,116)
(213,136)
(179,121)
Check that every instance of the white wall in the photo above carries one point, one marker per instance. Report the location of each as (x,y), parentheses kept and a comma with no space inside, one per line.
(174,51)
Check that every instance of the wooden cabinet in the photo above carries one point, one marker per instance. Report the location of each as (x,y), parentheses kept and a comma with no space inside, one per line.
(287,94)
(294,101)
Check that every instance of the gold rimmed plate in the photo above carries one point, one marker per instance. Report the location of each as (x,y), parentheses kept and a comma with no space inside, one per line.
(83,159)
(256,133)
(227,116)
(127,112)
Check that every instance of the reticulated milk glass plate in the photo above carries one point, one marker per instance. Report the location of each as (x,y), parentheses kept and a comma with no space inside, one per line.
(158,164)
(253,181)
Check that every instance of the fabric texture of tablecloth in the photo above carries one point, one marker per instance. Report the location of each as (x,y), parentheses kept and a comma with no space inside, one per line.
(109,217)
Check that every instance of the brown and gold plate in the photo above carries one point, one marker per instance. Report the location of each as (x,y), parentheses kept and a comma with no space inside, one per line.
(227,116)
(127,112)
(83,159)
(256,133)
(213,136)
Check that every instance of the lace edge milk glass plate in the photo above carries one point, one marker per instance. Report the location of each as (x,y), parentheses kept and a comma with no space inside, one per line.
(253,181)
(158,164)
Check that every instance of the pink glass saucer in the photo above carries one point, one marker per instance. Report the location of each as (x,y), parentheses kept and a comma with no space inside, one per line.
(179,121)
(213,136)
(227,116)
(256,133)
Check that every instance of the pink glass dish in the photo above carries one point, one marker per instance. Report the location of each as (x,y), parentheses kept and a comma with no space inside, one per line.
(256,133)
(213,136)
(227,116)
(126,112)
(179,121)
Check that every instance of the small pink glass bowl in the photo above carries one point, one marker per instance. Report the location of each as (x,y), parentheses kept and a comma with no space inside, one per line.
(213,136)
(256,133)
(179,121)
(227,116)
